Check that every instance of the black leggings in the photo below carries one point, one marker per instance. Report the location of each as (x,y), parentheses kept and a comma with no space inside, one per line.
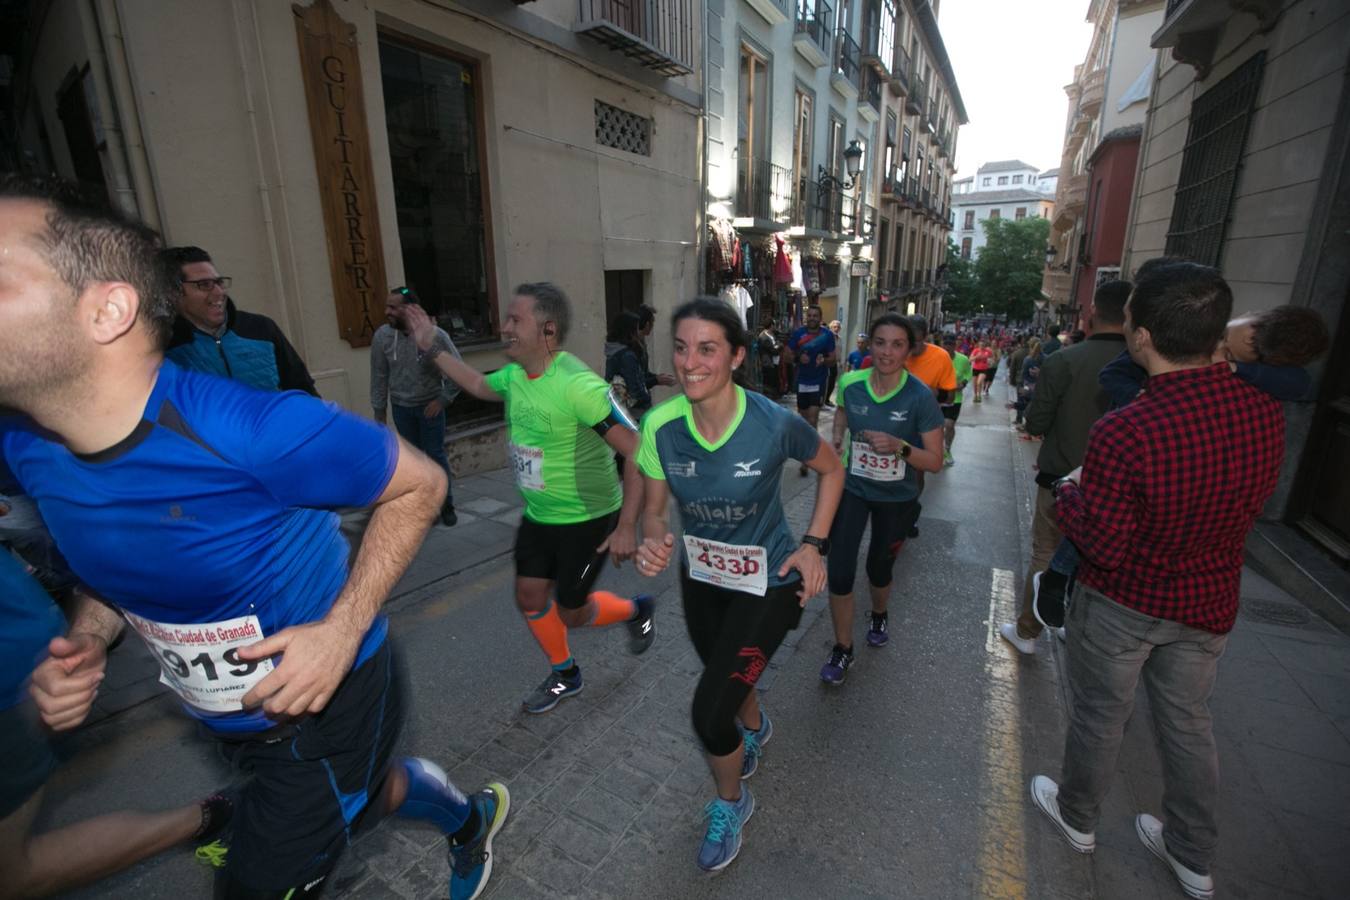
(891,523)
(735,634)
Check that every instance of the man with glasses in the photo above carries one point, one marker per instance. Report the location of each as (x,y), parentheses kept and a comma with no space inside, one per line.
(210,335)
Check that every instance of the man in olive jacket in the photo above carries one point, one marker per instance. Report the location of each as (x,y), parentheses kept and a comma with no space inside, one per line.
(1067,402)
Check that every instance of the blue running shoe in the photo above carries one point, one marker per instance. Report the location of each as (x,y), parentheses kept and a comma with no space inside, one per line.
(836,667)
(642,628)
(876,635)
(551,691)
(723,840)
(754,744)
(471,863)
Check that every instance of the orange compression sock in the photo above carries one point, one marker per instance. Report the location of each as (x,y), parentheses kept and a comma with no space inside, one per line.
(551,634)
(611,608)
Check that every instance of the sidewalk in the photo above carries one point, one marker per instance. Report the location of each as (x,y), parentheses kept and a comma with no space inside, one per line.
(1281,711)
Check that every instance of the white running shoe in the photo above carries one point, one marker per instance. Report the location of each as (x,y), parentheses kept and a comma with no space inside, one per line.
(1193,884)
(1045,794)
(1025,646)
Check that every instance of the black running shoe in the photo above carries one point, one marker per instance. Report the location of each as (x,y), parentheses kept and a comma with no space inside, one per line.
(1047,598)
(642,628)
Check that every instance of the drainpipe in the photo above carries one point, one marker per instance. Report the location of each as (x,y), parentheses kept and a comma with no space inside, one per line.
(131,154)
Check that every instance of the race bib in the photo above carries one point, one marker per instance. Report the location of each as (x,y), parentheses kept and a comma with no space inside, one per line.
(808,388)
(731,566)
(200,662)
(529,466)
(865,462)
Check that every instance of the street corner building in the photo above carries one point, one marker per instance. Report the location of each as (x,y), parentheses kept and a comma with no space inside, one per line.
(325,150)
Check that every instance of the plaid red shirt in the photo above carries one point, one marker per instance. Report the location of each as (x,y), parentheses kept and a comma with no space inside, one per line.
(1171,485)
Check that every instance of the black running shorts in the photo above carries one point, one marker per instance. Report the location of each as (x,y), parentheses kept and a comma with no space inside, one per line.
(952,411)
(564,554)
(313,783)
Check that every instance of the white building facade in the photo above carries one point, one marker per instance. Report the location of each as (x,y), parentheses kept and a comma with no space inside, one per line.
(1006,189)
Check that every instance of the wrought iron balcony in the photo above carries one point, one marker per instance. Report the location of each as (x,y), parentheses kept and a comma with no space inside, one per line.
(900,71)
(871,93)
(763,190)
(917,92)
(820,206)
(878,44)
(658,34)
(812,31)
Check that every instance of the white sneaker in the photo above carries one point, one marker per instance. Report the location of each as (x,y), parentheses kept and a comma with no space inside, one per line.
(1045,794)
(1193,884)
(1026,646)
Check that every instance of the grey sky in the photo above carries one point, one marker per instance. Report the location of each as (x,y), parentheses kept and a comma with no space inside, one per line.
(1012,59)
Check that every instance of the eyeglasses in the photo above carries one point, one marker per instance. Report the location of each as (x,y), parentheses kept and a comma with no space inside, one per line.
(205,284)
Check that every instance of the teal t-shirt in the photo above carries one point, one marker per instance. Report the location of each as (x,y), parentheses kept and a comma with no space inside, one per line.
(728,490)
(906,412)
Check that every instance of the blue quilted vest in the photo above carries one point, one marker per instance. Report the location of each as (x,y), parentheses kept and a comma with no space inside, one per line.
(243,359)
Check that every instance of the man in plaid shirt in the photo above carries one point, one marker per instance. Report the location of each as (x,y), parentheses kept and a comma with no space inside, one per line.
(1168,490)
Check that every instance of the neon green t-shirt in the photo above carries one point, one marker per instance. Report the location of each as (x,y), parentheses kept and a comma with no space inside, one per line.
(964,373)
(564,469)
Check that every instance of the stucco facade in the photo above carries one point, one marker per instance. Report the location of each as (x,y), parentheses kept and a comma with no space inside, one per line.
(207,137)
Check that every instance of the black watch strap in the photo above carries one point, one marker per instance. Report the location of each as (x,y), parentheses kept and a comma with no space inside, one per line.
(821,544)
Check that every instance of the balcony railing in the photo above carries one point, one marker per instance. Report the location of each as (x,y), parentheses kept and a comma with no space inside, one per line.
(868,221)
(813,23)
(914,99)
(659,34)
(871,90)
(763,190)
(846,57)
(1094,90)
(821,206)
(900,71)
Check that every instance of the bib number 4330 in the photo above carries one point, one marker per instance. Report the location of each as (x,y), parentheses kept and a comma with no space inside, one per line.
(733,566)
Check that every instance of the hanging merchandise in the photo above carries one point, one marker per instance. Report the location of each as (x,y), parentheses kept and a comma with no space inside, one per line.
(746,256)
(782,266)
(798,281)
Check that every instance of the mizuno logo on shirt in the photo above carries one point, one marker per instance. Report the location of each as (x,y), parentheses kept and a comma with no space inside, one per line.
(899,415)
(745,469)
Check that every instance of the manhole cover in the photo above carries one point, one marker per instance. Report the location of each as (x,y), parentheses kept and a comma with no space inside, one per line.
(1275,613)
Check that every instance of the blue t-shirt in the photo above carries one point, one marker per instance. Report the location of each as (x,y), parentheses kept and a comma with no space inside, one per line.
(810,375)
(30,620)
(855,360)
(906,412)
(728,491)
(217,507)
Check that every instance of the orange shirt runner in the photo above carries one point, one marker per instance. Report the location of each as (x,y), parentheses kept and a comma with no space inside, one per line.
(934,368)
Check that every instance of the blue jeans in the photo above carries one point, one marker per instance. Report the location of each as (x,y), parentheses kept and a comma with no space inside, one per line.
(1110,648)
(1065,560)
(427,435)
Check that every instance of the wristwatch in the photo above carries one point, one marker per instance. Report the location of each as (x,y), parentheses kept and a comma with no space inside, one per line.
(821,544)
(905,450)
(1059,483)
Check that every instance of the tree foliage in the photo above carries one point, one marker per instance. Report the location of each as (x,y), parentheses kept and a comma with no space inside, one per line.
(1008,268)
(962,294)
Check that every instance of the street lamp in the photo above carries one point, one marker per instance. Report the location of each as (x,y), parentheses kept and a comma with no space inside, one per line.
(1050,254)
(852,165)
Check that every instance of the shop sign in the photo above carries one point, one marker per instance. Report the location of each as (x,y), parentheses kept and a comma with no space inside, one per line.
(336,105)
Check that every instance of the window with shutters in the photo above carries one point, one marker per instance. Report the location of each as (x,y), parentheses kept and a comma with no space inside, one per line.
(1210,164)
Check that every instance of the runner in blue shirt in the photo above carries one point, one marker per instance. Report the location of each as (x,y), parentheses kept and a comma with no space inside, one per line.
(812,348)
(202,509)
(887,429)
(856,357)
(720,451)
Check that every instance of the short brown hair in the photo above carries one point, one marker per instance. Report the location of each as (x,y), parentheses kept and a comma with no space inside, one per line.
(1289,335)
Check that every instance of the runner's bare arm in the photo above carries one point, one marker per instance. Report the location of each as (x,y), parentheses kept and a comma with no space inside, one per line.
(318,655)
(829,488)
(622,542)
(65,684)
(658,543)
(423,331)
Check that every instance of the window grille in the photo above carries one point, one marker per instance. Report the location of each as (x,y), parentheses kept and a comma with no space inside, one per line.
(1210,164)
(622,130)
